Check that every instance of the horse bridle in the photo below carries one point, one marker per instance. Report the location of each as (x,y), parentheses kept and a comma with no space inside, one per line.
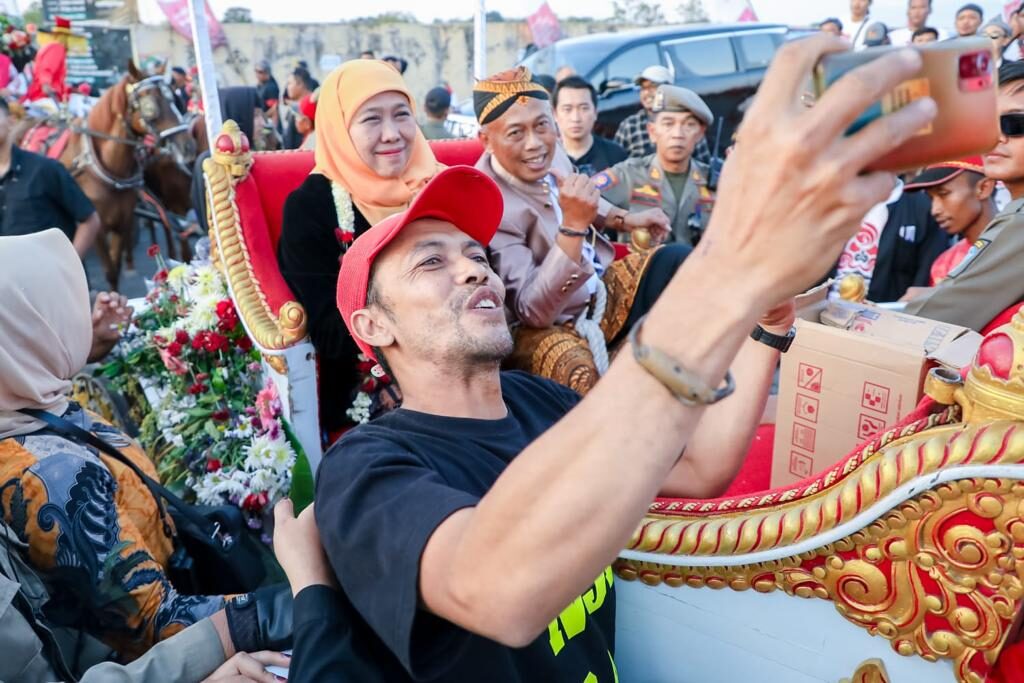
(150,144)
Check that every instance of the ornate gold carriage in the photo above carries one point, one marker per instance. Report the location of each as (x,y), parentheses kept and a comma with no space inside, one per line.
(904,562)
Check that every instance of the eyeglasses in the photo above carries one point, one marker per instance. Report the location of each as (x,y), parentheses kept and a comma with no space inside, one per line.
(1012,125)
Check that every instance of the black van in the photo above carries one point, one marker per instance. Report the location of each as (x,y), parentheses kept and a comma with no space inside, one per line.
(723,63)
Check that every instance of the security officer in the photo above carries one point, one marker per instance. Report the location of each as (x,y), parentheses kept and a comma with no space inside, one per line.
(986,282)
(669,179)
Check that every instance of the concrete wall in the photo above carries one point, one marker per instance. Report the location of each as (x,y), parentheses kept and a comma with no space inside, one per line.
(435,52)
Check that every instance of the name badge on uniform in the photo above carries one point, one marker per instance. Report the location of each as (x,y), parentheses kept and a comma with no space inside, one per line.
(646,195)
(972,253)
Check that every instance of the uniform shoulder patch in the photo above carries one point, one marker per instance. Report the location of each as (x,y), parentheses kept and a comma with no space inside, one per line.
(971,255)
(606,179)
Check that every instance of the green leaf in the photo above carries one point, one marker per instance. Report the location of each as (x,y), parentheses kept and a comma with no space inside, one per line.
(212,430)
(302,482)
(302,474)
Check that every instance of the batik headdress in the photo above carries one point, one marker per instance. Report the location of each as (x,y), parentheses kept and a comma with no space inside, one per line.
(494,96)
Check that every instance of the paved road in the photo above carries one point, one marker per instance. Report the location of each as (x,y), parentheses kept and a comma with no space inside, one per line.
(132,281)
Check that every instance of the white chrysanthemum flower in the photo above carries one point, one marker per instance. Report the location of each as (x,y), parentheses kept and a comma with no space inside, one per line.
(202,316)
(265,452)
(207,282)
(360,410)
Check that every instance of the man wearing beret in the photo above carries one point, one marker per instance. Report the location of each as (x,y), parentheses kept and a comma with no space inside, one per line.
(670,178)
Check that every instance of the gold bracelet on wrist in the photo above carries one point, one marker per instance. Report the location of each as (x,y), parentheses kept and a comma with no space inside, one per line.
(685,385)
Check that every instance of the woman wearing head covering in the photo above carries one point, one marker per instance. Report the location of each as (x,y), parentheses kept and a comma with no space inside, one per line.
(93,530)
(371,159)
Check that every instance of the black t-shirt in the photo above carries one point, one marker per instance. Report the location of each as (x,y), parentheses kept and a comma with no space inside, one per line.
(383,490)
(602,154)
(910,242)
(38,194)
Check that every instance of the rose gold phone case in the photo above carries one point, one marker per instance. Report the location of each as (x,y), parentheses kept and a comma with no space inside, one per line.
(967,122)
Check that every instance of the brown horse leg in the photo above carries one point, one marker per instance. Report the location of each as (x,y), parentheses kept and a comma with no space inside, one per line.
(115,254)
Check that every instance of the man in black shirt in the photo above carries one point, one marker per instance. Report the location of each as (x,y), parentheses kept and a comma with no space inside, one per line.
(433,310)
(575,104)
(470,533)
(266,86)
(37,193)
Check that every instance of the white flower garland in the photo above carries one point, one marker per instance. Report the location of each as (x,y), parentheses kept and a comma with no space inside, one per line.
(359,412)
(346,216)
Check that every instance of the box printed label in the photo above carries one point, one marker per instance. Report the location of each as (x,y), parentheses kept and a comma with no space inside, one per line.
(809,378)
(800,465)
(875,397)
(806,408)
(868,426)
(803,437)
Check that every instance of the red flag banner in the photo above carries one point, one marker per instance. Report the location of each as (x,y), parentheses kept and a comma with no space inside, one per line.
(178,15)
(544,26)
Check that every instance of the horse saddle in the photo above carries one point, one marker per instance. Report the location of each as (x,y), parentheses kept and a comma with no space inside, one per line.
(50,141)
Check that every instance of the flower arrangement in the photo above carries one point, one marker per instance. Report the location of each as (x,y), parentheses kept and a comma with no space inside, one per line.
(215,430)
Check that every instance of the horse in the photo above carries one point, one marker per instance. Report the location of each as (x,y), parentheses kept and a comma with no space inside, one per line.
(134,122)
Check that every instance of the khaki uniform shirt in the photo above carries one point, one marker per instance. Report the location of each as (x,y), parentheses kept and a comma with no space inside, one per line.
(640,184)
(989,279)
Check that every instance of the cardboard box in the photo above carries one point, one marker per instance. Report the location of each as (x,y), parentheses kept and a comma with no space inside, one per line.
(852,375)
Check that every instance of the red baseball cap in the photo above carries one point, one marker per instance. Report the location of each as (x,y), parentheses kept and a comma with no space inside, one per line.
(460,195)
(943,172)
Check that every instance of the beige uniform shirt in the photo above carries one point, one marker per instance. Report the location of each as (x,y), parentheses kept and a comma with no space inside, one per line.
(989,280)
(638,184)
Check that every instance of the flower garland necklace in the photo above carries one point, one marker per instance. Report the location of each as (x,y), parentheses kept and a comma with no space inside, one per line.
(346,230)
(359,411)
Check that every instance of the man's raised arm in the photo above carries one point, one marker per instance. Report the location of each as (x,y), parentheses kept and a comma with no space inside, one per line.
(791,195)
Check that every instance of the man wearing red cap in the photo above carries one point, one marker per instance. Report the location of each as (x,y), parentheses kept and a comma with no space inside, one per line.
(472,529)
(963,204)
(988,279)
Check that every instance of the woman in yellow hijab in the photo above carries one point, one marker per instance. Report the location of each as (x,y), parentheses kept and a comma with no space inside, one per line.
(371,160)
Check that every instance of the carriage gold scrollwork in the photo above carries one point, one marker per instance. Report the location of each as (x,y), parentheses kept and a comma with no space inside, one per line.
(230,161)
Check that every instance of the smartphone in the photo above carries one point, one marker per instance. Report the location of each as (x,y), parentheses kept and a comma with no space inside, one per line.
(958,74)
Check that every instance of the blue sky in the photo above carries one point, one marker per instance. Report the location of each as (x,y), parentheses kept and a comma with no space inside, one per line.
(892,12)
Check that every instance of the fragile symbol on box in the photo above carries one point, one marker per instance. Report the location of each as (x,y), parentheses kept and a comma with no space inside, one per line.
(809,378)
(806,408)
(868,426)
(800,465)
(803,437)
(875,397)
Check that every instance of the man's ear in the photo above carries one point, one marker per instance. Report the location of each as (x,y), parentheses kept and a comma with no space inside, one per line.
(372,327)
(985,188)
(650,129)
(484,137)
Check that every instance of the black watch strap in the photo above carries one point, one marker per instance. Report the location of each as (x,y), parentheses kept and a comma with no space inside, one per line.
(779,342)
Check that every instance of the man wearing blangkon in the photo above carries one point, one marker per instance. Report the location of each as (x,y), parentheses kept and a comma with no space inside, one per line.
(471,532)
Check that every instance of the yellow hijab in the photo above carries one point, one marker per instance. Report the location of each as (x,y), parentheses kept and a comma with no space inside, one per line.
(45,326)
(341,95)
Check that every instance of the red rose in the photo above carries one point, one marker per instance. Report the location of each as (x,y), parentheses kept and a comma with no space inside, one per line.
(215,342)
(161,275)
(181,336)
(174,348)
(255,502)
(244,343)
(153,251)
(213,464)
(222,415)
(199,341)
(224,308)
(197,388)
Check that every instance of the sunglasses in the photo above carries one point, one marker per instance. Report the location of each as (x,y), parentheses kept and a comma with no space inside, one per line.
(1012,125)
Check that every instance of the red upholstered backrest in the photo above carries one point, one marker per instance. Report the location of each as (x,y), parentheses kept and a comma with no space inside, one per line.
(274,175)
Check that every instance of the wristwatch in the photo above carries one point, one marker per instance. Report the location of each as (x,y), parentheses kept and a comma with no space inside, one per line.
(777,342)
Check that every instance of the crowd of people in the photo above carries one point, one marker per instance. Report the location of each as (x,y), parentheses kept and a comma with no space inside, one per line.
(518,340)
(969,20)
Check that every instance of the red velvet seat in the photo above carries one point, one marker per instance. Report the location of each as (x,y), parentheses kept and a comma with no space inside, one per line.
(261,196)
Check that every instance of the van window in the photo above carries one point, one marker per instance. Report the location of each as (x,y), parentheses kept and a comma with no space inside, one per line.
(712,57)
(758,49)
(627,65)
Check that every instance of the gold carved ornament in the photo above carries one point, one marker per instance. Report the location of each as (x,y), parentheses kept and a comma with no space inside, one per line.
(869,671)
(228,165)
(940,575)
